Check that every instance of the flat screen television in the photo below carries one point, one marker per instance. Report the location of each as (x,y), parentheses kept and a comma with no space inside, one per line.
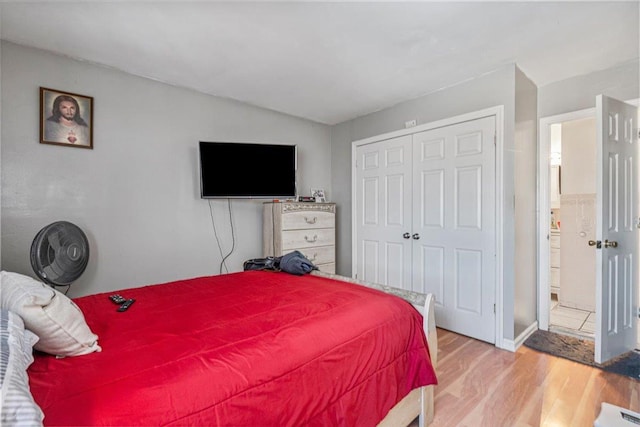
(247,170)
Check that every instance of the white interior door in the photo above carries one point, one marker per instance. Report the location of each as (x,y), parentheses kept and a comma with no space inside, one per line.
(383,212)
(616,228)
(454,224)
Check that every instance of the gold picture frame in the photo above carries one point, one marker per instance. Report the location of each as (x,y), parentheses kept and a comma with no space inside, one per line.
(66,118)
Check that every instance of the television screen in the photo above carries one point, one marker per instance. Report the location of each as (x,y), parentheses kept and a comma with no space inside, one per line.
(245,170)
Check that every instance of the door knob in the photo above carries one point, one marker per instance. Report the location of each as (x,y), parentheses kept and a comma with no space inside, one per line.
(610,244)
(406,235)
(596,243)
(415,236)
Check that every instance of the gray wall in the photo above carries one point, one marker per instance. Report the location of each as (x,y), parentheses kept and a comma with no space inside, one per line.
(136,194)
(580,92)
(490,90)
(526,155)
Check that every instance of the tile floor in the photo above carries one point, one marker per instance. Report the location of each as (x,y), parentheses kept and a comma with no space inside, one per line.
(571,320)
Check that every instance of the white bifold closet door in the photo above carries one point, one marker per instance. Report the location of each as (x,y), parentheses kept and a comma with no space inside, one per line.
(425,220)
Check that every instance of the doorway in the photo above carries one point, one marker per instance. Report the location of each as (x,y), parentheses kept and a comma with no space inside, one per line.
(572,201)
(569,203)
(551,193)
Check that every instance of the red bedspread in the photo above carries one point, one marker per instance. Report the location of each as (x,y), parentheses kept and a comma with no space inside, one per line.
(243,349)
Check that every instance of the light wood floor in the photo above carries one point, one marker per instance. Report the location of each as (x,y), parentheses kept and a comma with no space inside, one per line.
(481,385)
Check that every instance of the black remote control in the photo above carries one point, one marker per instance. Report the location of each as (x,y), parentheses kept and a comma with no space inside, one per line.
(125,306)
(117,298)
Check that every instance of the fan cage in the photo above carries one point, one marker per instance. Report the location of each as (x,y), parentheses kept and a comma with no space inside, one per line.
(60,253)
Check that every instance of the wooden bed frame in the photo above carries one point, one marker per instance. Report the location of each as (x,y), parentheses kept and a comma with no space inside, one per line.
(419,402)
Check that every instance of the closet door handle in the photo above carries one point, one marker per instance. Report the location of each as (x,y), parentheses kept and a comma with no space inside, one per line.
(406,235)
(416,236)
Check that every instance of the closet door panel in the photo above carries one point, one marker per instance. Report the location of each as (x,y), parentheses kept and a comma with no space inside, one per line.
(370,257)
(394,200)
(468,198)
(468,281)
(383,212)
(431,270)
(464,274)
(432,186)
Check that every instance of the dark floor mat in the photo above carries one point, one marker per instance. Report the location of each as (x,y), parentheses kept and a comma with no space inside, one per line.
(582,351)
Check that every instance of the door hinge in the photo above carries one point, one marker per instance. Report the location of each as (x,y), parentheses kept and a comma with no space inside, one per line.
(638,312)
(494,309)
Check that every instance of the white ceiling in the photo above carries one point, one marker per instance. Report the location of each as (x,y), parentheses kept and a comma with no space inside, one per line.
(330,61)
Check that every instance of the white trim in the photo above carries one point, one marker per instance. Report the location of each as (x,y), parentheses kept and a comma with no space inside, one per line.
(513,345)
(492,111)
(498,113)
(499,227)
(354,253)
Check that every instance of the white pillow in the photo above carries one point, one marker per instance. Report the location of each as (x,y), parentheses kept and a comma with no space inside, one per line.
(18,407)
(56,320)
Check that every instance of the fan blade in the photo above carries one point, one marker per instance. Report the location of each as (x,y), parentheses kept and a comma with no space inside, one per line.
(54,240)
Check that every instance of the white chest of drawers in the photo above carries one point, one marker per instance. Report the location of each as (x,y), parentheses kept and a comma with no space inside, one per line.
(307,227)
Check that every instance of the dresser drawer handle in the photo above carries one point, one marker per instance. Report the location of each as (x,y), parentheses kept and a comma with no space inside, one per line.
(313,258)
(315,237)
(310,221)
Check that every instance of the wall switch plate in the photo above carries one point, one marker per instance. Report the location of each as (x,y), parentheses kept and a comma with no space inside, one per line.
(410,124)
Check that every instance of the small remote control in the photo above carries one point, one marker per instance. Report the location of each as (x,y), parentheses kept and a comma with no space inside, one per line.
(117,298)
(125,306)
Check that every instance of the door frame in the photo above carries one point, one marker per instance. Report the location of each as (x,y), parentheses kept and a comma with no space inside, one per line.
(498,113)
(544,216)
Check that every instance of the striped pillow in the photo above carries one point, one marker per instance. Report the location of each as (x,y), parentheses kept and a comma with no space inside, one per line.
(17,407)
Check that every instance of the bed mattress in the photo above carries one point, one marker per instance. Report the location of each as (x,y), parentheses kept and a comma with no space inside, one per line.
(254,348)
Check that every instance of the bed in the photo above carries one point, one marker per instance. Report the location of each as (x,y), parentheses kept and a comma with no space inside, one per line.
(255,348)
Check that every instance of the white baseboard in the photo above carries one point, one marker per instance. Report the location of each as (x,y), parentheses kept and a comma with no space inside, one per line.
(513,345)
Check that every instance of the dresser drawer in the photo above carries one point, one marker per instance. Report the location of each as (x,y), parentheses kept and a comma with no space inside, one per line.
(309,219)
(319,254)
(306,227)
(292,239)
